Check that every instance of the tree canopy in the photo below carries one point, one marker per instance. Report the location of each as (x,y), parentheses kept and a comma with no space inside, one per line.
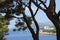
(3,27)
(14,8)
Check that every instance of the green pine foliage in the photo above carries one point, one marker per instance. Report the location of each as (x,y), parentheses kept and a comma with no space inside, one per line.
(3,27)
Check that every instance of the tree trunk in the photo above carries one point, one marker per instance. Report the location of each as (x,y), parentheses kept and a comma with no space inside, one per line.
(57,25)
(56,22)
(58,31)
(35,37)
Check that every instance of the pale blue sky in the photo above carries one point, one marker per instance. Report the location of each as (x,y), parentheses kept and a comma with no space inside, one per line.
(41,16)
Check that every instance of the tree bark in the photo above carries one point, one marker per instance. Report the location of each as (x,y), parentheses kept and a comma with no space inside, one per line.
(57,26)
(35,36)
(58,31)
(55,20)
(52,15)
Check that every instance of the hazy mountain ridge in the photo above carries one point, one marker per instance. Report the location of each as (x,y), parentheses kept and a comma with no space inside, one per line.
(41,25)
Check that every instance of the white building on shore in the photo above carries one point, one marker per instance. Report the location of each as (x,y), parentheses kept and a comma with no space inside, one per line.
(49,28)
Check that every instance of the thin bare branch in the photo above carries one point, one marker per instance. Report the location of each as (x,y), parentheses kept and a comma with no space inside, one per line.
(38,5)
(43,3)
(37,26)
(37,10)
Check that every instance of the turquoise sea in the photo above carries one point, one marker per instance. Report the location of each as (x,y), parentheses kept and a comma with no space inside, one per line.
(25,35)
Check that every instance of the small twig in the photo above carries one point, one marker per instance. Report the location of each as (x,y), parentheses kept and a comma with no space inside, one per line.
(37,10)
(43,3)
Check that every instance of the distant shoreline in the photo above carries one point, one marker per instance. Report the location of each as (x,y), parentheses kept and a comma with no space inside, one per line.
(47,33)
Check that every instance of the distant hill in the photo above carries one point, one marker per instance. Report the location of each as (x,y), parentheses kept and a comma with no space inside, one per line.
(44,24)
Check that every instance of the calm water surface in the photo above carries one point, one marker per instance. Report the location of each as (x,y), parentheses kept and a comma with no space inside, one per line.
(25,35)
